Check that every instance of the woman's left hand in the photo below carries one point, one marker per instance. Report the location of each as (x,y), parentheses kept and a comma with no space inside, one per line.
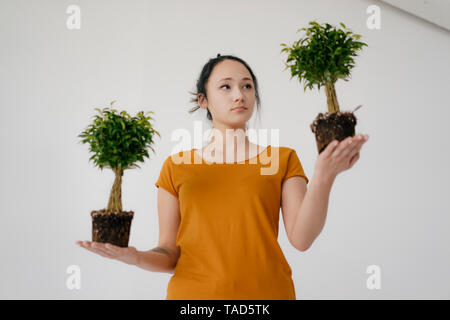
(128,255)
(339,156)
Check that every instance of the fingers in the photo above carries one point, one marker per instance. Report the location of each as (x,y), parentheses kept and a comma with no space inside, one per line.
(354,159)
(349,146)
(355,146)
(331,147)
(342,148)
(361,139)
(105,250)
(354,153)
(98,248)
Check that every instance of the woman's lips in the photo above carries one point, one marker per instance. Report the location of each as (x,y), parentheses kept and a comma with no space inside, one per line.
(239,109)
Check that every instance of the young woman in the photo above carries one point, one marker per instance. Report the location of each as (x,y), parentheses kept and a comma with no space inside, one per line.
(218,213)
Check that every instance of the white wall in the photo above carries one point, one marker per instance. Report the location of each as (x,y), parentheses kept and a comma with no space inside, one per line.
(391,209)
(434,11)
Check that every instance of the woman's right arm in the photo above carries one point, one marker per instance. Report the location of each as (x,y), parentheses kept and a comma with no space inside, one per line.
(165,256)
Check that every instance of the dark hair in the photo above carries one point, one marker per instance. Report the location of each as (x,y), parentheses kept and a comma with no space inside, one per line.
(206,72)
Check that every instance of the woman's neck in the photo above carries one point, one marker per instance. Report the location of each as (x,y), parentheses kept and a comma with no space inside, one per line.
(229,144)
(229,139)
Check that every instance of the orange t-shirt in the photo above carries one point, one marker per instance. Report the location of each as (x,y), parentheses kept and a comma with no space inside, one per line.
(229,226)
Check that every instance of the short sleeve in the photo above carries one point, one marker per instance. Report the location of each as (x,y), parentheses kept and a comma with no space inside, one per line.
(294,167)
(166,178)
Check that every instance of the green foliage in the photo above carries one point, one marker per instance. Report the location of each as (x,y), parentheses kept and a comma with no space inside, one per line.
(118,140)
(323,55)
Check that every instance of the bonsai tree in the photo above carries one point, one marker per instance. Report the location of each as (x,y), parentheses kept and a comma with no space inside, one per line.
(320,58)
(117,142)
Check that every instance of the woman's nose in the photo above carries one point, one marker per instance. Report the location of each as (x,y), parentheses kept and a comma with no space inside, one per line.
(238,94)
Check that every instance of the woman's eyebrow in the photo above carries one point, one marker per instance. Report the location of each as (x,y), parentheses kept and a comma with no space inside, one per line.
(232,79)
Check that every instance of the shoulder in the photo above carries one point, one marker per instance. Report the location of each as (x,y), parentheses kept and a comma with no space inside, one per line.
(288,156)
(292,163)
(284,156)
(283,148)
(284,151)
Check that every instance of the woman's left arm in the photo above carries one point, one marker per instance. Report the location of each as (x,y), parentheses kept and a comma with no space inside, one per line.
(308,217)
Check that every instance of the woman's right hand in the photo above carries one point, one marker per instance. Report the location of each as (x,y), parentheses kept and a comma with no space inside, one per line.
(127,255)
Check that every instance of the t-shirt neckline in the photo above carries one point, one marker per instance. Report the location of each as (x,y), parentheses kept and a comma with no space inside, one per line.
(231,163)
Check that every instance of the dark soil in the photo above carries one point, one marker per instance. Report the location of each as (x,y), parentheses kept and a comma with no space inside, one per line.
(111,228)
(333,126)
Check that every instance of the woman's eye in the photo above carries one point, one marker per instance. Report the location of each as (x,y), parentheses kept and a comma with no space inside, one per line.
(249,86)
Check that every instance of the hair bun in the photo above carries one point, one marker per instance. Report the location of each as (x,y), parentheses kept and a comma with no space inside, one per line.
(218,55)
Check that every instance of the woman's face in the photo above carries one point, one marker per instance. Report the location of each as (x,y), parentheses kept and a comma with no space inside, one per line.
(230,85)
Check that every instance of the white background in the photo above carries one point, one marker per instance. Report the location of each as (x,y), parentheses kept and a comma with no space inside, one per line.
(391,209)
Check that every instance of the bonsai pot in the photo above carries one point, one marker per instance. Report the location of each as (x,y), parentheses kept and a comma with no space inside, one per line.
(111,228)
(333,126)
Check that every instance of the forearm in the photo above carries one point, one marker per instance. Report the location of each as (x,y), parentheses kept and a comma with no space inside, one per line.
(156,260)
(312,214)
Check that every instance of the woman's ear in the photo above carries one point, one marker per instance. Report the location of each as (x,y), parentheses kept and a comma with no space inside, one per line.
(202,101)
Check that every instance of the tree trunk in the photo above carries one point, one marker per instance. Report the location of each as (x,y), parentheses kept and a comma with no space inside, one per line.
(333,105)
(115,197)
